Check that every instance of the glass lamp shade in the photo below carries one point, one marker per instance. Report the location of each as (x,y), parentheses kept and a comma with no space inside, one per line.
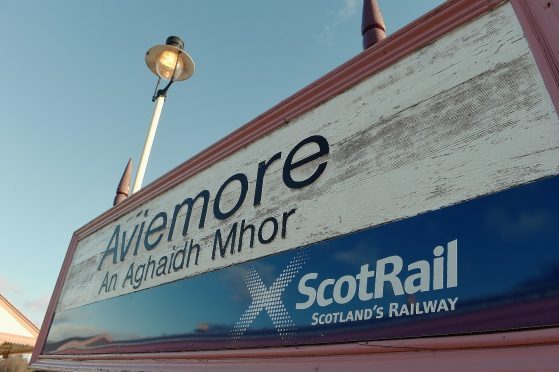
(168,65)
(169,62)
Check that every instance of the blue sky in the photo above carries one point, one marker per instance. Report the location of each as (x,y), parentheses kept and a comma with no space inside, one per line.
(75,102)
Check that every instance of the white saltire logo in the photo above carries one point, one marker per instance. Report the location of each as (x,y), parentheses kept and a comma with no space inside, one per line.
(269,299)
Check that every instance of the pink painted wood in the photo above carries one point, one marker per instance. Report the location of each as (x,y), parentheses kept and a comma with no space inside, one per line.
(508,351)
(540,22)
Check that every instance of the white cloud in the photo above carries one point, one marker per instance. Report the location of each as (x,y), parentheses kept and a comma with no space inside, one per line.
(39,304)
(9,287)
(346,11)
(349,8)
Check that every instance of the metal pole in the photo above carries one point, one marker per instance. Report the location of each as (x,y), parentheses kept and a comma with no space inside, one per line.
(149,142)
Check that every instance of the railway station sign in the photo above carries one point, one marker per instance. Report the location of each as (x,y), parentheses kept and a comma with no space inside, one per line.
(408,199)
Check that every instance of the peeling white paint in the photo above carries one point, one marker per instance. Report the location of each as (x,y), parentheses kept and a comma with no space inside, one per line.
(465,116)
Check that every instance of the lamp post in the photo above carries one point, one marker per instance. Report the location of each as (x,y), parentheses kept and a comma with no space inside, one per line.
(169,62)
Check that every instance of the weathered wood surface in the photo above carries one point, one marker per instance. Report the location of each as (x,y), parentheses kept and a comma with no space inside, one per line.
(465,116)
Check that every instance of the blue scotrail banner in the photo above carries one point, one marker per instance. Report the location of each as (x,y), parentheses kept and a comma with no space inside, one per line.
(488,264)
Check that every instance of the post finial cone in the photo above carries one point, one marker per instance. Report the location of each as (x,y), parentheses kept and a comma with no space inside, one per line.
(373,28)
(123,189)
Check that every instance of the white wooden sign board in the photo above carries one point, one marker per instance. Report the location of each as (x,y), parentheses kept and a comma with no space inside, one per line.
(465,116)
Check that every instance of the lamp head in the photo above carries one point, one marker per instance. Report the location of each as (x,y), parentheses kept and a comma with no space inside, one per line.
(170,61)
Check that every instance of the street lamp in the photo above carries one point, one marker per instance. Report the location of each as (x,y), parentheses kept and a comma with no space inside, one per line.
(169,62)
